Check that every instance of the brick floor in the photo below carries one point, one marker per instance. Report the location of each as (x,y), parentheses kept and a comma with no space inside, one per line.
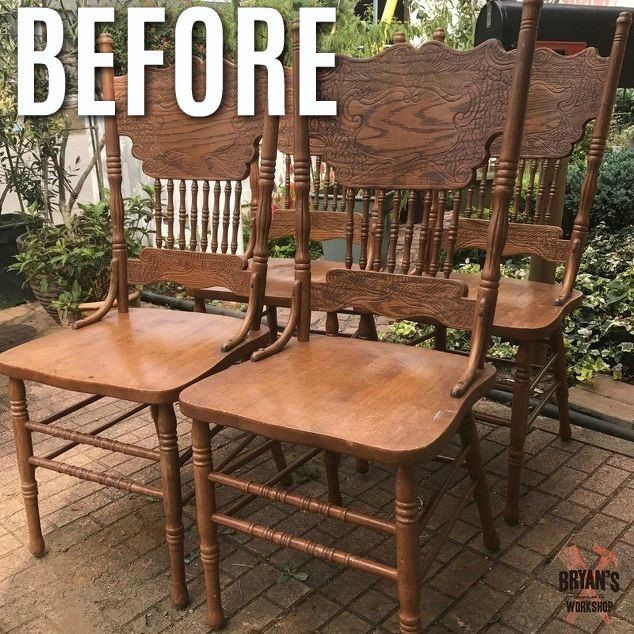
(106,565)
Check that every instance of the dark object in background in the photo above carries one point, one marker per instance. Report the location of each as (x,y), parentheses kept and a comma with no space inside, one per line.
(12,291)
(563,27)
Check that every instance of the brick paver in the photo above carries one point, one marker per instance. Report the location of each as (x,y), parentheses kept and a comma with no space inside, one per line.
(106,565)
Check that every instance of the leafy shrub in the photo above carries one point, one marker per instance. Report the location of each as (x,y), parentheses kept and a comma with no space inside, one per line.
(77,258)
(614,200)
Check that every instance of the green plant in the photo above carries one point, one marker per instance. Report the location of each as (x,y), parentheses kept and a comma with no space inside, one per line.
(33,150)
(614,200)
(456,17)
(77,257)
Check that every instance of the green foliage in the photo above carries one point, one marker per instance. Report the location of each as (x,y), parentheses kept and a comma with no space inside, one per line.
(456,17)
(599,336)
(77,257)
(614,199)
(285,248)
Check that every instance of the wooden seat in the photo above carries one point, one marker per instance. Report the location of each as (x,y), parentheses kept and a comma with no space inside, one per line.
(399,409)
(515,314)
(136,356)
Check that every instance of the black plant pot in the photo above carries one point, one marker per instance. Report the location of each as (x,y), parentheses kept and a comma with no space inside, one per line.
(12,288)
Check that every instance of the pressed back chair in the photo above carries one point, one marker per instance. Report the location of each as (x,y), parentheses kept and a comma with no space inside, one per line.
(566,93)
(146,355)
(392,404)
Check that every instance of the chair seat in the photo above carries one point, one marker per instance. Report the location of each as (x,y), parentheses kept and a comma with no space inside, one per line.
(279,282)
(524,309)
(377,401)
(146,355)
(516,315)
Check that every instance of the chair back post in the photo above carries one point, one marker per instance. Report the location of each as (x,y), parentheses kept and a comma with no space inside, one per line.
(266,183)
(113,168)
(301,161)
(595,154)
(503,187)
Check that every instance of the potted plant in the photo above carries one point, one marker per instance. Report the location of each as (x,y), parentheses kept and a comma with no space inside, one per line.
(68,266)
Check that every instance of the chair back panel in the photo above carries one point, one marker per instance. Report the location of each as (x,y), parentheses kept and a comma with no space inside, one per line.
(413,117)
(565,93)
(171,144)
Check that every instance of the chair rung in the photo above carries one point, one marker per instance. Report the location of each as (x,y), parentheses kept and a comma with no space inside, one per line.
(305,545)
(542,372)
(107,425)
(305,503)
(280,475)
(444,534)
(185,456)
(540,406)
(100,478)
(69,410)
(80,438)
(493,420)
(428,511)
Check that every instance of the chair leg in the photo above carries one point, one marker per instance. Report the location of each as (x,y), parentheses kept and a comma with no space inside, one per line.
(280,463)
(271,321)
(475,468)
(24,450)
(154,412)
(407,549)
(205,507)
(561,376)
(440,338)
(519,417)
(332,461)
(199,305)
(172,503)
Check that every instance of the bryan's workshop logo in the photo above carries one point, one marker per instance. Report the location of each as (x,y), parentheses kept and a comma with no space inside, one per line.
(586,587)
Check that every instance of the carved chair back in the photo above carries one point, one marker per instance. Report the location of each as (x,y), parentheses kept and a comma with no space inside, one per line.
(202,155)
(566,93)
(418,119)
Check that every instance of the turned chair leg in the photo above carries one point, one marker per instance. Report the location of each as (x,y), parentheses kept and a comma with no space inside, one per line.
(475,468)
(24,450)
(407,549)
(205,508)
(280,463)
(199,305)
(271,321)
(561,376)
(332,460)
(172,502)
(519,417)
(440,338)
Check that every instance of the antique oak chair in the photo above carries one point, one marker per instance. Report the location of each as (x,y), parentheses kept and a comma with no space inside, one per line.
(146,355)
(392,404)
(565,94)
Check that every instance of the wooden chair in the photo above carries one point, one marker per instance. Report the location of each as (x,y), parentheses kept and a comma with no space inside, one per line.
(566,93)
(148,355)
(392,404)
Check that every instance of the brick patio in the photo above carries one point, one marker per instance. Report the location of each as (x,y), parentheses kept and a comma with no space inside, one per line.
(106,566)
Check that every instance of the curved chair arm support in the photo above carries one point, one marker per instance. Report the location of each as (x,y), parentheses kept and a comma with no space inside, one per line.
(249,319)
(571,272)
(284,338)
(475,362)
(108,302)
